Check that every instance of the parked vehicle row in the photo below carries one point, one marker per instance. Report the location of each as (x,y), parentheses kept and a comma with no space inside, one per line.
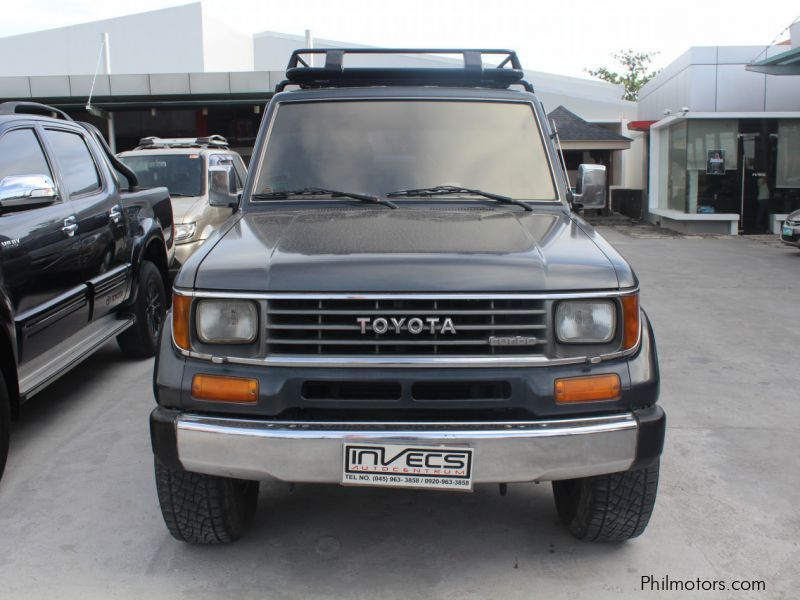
(84,253)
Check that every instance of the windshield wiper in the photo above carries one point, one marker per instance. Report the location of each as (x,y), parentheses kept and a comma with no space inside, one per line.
(315,191)
(443,190)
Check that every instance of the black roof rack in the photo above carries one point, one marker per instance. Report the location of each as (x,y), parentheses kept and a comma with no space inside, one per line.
(211,141)
(32,108)
(472,73)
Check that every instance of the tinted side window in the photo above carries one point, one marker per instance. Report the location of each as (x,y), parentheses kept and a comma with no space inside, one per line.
(21,154)
(75,161)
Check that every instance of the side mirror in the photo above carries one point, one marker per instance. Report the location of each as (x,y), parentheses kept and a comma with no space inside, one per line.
(23,192)
(222,187)
(590,190)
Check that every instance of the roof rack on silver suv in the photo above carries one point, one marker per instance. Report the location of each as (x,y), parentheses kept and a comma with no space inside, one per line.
(211,141)
(32,108)
(470,73)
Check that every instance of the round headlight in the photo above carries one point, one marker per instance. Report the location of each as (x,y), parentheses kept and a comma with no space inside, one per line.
(227,321)
(586,321)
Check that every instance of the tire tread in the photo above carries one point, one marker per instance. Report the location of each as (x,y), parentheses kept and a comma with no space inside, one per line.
(608,508)
(204,509)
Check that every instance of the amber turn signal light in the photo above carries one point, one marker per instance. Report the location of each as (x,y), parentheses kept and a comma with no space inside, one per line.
(587,389)
(630,317)
(224,389)
(181,315)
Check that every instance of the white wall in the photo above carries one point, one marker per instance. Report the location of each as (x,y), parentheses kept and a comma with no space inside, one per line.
(224,48)
(714,79)
(162,41)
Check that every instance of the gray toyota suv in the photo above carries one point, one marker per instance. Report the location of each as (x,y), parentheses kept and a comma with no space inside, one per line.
(405,296)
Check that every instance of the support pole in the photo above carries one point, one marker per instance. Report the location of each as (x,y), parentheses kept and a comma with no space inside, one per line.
(309,45)
(112,142)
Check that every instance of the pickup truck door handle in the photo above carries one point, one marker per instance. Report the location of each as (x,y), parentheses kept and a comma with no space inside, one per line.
(70,226)
(115,214)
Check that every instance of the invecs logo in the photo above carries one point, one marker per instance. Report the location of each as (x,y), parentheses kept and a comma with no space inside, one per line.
(408,460)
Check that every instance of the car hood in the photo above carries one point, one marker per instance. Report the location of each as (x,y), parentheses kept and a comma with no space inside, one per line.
(405,250)
(186,209)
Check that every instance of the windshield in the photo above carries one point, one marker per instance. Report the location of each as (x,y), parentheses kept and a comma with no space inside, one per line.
(181,174)
(378,147)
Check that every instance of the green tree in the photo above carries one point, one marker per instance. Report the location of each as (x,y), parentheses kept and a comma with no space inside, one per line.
(635,73)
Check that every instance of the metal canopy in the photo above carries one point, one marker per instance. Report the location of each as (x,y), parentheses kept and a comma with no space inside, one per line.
(786,63)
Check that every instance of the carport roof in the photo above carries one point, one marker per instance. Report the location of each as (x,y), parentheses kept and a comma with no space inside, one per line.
(132,91)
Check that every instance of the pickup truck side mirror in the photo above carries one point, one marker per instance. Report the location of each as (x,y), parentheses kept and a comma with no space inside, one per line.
(23,192)
(590,189)
(222,187)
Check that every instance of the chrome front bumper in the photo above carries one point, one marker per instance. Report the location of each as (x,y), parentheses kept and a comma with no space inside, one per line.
(312,452)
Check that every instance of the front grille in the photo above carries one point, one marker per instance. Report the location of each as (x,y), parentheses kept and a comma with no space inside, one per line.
(302,327)
(791,223)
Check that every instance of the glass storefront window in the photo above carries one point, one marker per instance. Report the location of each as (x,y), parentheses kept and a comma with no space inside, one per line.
(749,167)
(787,169)
(676,157)
(712,186)
(786,156)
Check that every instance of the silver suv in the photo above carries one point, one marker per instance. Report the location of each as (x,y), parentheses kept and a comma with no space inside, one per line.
(182,166)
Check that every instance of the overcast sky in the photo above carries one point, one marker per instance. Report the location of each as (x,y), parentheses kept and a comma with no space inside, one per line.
(560,36)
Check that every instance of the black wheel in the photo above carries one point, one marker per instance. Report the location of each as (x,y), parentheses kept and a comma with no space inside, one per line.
(204,509)
(5,423)
(141,339)
(608,508)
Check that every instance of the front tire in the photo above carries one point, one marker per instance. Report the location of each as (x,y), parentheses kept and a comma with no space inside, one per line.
(140,340)
(204,509)
(608,508)
(5,423)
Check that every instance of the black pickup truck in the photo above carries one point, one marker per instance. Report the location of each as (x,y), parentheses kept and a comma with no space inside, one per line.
(406,296)
(81,260)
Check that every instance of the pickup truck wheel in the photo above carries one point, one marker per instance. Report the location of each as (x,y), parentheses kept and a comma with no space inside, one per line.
(5,423)
(141,339)
(204,509)
(608,508)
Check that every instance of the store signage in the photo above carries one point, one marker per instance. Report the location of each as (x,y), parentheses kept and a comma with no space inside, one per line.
(716,162)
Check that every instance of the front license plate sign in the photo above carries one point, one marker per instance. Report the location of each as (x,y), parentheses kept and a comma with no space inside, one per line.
(399,465)
(787,230)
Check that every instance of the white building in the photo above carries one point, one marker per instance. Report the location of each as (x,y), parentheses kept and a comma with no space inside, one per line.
(724,140)
(180,72)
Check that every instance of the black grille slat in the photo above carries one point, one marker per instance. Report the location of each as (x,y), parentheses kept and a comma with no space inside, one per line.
(351,390)
(460,390)
(316,326)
